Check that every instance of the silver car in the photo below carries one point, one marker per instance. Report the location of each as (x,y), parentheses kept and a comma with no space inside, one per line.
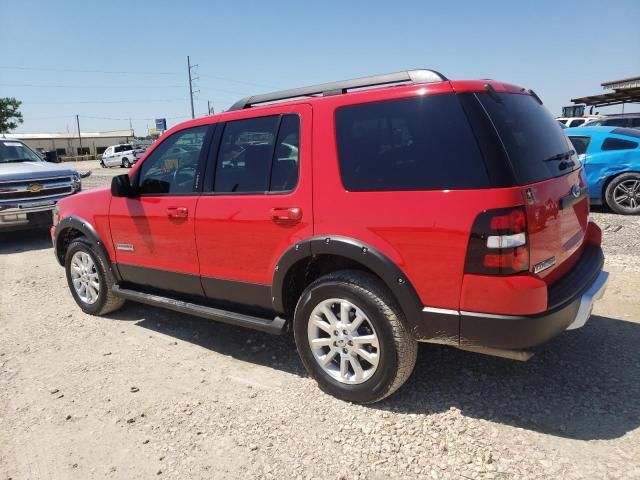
(30,187)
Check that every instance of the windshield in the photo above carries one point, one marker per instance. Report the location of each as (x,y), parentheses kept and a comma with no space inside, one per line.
(537,147)
(12,151)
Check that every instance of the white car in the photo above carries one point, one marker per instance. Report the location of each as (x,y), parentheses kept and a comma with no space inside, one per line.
(571,122)
(122,155)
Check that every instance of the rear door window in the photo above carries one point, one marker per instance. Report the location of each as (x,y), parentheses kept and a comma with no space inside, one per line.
(244,158)
(576,123)
(533,140)
(618,144)
(418,143)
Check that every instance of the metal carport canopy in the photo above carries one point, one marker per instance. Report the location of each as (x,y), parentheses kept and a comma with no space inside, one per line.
(618,96)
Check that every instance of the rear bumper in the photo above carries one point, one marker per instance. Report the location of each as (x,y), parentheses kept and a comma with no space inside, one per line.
(571,301)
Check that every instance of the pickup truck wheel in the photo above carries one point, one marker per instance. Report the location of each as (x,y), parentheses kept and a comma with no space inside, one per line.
(90,280)
(352,337)
(623,194)
(126,163)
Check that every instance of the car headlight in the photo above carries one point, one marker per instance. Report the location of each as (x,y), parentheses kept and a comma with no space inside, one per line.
(77,183)
(56,215)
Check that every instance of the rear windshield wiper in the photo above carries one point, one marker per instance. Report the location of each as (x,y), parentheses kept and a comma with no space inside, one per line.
(560,156)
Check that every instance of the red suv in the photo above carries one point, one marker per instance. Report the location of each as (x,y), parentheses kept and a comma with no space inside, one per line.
(365,215)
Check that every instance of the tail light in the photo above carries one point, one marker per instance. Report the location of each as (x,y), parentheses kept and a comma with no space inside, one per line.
(498,244)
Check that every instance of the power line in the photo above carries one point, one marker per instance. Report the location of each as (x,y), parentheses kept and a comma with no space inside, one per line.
(70,70)
(124,72)
(165,100)
(87,86)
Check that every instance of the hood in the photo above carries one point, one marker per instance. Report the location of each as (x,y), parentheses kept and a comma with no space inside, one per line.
(32,170)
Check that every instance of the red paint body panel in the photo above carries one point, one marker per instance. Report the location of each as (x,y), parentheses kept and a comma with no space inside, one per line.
(425,233)
(517,294)
(92,206)
(555,232)
(237,238)
(159,242)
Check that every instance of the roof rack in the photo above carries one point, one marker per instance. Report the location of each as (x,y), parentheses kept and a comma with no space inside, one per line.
(337,88)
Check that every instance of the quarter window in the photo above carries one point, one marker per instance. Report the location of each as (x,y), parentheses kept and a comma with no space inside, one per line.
(172,166)
(580,144)
(618,144)
(419,143)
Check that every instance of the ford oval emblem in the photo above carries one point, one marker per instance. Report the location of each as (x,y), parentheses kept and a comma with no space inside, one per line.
(575,191)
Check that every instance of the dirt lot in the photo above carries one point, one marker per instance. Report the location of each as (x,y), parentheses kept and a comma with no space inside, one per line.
(148,393)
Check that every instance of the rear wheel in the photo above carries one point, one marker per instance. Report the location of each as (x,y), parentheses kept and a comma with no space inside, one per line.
(352,337)
(126,163)
(623,194)
(90,279)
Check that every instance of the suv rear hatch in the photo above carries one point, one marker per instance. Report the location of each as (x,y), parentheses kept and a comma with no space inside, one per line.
(544,164)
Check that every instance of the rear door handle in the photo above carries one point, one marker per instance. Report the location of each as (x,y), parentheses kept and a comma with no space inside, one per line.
(286,215)
(177,212)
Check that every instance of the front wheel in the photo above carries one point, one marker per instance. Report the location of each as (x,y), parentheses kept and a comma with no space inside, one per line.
(623,194)
(126,163)
(90,279)
(352,337)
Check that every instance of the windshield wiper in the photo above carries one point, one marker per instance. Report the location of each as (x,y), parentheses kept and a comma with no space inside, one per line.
(560,156)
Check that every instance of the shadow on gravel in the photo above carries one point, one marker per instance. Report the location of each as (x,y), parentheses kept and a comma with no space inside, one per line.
(585,384)
(24,240)
(248,345)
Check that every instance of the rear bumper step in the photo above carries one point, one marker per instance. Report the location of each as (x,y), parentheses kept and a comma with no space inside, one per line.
(275,326)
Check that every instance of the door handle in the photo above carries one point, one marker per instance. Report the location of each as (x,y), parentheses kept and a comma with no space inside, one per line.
(177,212)
(286,215)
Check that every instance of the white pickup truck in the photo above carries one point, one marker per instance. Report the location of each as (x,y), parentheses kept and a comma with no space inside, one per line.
(30,187)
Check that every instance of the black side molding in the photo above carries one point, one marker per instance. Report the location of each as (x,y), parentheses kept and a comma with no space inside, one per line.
(275,326)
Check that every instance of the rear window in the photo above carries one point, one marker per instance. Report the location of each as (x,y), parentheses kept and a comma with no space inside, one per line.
(534,141)
(629,132)
(418,143)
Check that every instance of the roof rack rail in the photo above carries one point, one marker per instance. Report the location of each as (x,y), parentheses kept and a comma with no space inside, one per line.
(337,88)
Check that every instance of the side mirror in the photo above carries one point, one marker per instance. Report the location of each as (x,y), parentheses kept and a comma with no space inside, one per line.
(121,186)
(51,156)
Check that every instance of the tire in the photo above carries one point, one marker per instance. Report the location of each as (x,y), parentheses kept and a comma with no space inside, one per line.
(396,349)
(105,301)
(126,163)
(623,194)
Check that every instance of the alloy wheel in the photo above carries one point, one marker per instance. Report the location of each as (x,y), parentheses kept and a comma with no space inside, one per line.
(343,341)
(627,194)
(84,275)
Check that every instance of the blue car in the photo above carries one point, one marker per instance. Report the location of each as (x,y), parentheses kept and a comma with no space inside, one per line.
(611,158)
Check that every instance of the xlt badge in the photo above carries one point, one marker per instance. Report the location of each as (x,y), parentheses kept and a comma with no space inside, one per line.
(539,267)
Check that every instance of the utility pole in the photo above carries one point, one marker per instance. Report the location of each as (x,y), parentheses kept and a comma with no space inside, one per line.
(79,135)
(209,108)
(189,67)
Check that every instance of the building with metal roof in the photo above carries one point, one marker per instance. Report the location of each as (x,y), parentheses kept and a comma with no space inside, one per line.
(70,144)
(624,91)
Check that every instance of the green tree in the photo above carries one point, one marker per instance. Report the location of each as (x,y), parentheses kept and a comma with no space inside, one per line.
(10,117)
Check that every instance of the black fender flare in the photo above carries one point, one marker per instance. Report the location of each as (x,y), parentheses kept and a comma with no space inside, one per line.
(358,251)
(85,227)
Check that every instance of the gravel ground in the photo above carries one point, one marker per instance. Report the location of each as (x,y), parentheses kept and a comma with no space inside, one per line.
(149,393)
